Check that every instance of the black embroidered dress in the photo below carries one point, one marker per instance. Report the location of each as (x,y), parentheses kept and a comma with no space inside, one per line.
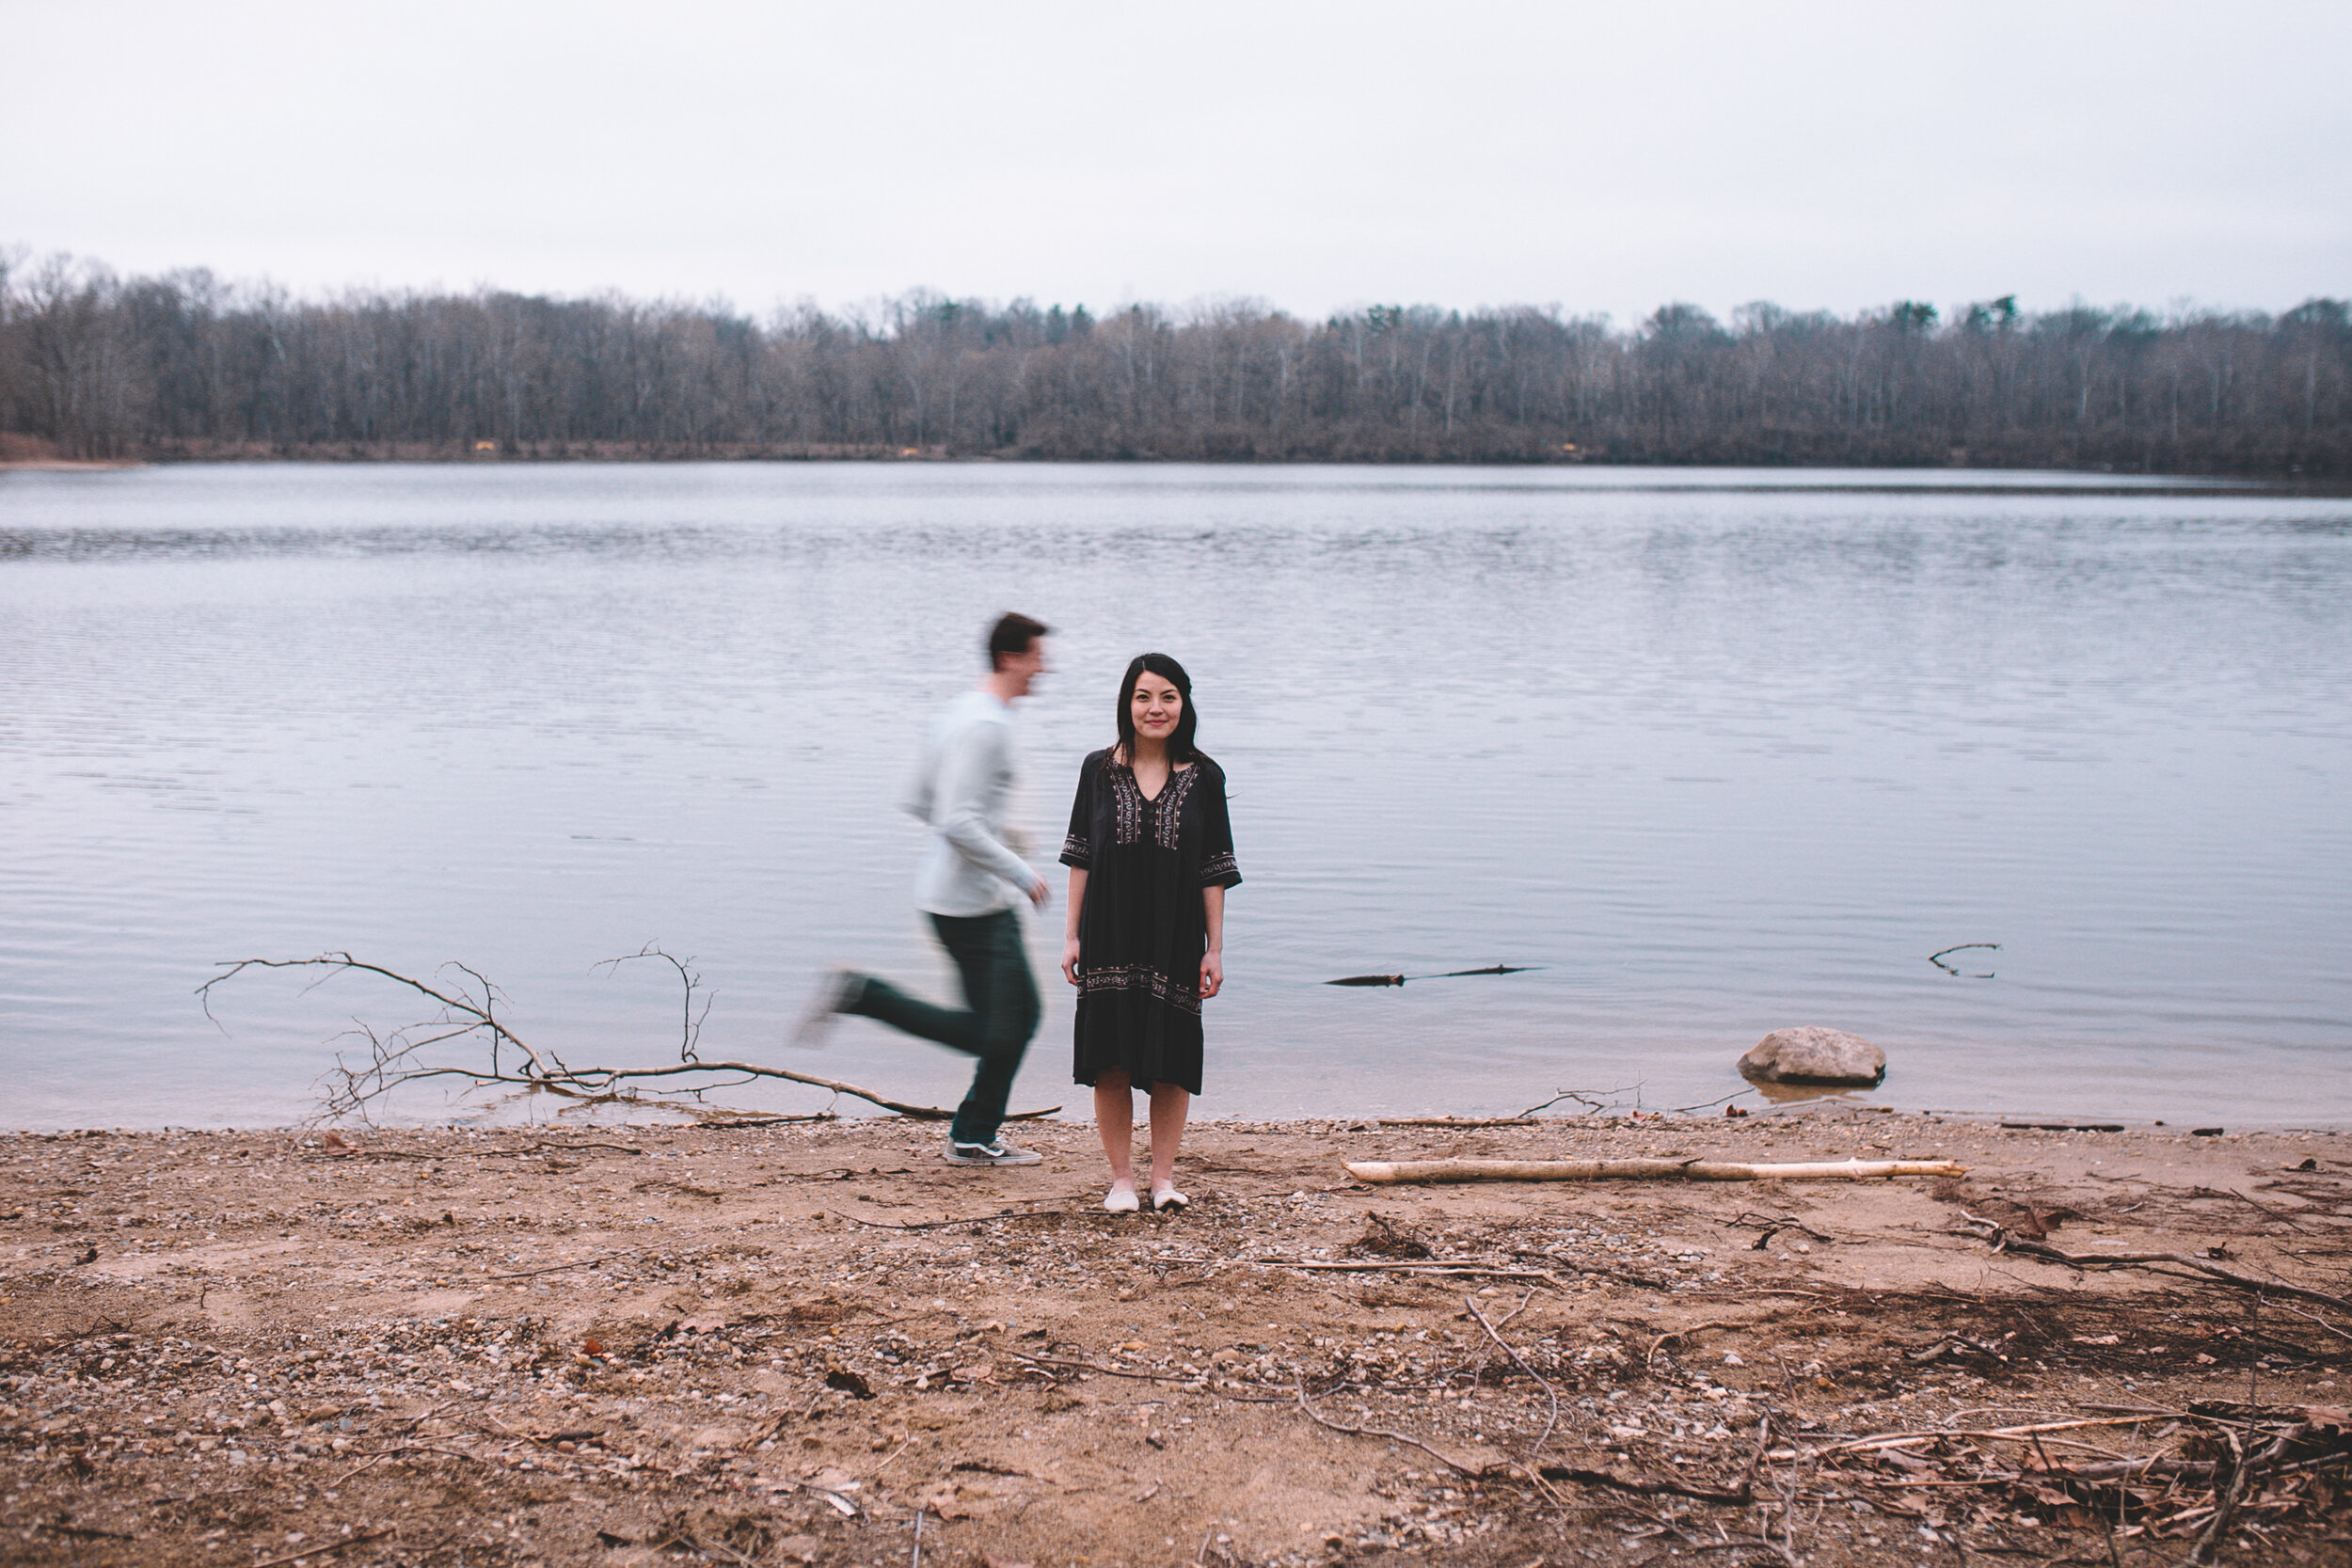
(1142,929)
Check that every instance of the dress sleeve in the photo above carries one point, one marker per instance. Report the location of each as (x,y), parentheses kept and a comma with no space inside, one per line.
(1217,868)
(1076,847)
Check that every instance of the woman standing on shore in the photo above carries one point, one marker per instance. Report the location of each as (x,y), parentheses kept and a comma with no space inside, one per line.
(1150,854)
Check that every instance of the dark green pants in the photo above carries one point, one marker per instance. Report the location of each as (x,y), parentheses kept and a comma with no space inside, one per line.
(999,1015)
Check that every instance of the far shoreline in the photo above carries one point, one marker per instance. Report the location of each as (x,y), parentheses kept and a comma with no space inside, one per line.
(2004,479)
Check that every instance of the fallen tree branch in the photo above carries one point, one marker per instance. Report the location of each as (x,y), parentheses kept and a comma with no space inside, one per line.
(2005,1239)
(596,1080)
(1385,1171)
(394,1059)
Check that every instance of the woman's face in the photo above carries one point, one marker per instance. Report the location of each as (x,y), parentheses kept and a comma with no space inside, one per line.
(1155,705)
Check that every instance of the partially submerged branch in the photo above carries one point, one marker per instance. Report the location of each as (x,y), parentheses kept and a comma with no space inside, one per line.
(394,1059)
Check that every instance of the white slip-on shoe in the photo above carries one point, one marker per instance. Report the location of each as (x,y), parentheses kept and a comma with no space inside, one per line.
(1122,1200)
(1168,1198)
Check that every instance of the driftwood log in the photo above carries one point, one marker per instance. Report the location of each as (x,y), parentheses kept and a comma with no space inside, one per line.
(1387,1171)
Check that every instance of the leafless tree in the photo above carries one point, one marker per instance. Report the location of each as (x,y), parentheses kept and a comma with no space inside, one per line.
(184,365)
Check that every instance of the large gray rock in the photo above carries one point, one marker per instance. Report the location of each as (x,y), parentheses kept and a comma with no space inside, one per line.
(1812,1055)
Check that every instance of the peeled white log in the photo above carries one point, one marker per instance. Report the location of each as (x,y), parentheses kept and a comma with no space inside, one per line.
(1640,1170)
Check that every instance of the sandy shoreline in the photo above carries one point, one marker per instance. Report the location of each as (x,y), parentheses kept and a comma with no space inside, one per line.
(797,1342)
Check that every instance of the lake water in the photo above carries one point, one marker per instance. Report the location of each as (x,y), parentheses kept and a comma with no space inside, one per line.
(1718,751)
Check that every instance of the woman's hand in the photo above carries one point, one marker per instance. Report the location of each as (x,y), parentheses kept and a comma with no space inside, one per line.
(1070,926)
(1213,948)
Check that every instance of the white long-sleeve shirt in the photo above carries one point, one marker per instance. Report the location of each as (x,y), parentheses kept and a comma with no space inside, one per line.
(962,787)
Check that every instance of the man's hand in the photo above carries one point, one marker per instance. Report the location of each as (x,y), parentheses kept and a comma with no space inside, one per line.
(1040,893)
(1212,973)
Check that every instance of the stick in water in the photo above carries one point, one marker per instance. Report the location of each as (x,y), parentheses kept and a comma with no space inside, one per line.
(1449,974)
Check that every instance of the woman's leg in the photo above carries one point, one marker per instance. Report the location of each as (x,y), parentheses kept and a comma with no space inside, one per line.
(1114,1119)
(1170,1103)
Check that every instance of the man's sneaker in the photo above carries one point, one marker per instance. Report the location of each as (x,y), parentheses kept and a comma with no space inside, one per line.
(999,1154)
(833,994)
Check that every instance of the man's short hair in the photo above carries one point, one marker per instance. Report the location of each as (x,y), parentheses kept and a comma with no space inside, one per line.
(1012,634)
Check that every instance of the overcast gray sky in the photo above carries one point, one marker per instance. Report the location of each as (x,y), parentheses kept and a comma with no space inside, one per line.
(1601,157)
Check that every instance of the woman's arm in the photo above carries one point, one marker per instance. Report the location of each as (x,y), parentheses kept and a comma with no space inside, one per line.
(1212,958)
(1070,924)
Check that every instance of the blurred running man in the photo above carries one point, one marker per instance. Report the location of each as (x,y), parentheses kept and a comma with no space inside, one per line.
(971,884)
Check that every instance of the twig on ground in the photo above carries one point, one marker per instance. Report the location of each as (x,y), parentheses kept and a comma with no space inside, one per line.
(2265,1207)
(695,1544)
(365,1152)
(1475,1473)
(1901,1439)
(1534,1449)
(1615,1482)
(1707,1105)
(324,1548)
(562,1268)
(943,1225)
(1683,1334)
(2210,1541)
(402,1452)
(1384,1171)
(86,1532)
(1480,1271)
(2005,1240)
(2314,1317)
(1110,1371)
(1458,1121)
(1590,1099)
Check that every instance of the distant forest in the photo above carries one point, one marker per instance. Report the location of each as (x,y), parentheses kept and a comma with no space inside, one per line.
(184,365)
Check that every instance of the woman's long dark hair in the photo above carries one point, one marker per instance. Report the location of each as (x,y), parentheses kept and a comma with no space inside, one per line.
(1179,745)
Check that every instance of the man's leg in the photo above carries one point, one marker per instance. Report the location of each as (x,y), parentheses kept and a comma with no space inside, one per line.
(1002,990)
(958,1028)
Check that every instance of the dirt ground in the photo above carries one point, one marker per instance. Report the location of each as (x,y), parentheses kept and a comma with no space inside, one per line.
(818,1343)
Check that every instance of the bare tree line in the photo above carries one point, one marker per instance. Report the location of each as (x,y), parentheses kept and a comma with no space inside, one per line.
(183,364)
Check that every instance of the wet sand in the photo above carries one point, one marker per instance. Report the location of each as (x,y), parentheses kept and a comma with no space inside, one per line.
(810,1342)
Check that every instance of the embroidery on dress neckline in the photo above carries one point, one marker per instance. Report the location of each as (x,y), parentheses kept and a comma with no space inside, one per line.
(1171,805)
(1166,812)
(1129,801)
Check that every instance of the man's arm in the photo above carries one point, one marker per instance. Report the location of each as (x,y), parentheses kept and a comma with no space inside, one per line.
(968,771)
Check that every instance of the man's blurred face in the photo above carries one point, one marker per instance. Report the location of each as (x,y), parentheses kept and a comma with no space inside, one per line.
(1022,669)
